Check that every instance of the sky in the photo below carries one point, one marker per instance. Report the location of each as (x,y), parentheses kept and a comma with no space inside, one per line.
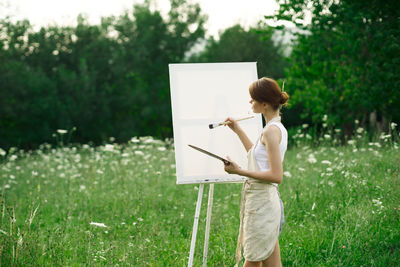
(221,13)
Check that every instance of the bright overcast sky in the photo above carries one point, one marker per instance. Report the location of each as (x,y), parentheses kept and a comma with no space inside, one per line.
(221,13)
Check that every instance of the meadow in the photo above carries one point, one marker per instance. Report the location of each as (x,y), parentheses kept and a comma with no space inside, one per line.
(119,205)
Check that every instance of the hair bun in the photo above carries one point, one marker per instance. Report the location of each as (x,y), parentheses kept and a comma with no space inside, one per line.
(284,98)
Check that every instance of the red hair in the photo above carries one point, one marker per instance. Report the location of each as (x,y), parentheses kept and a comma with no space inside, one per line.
(267,90)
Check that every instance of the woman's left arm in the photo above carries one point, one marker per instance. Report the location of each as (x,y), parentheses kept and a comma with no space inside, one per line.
(271,136)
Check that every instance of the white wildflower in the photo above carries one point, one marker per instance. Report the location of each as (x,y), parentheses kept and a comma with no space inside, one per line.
(326,162)
(393,125)
(287,174)
(305,125)
(357,121)
(325,118)
(2,152)
(139,153)
(61,131)
(301,169)
(377,202)
(125,155)
(98,224)
(108,147)
(324,125)
(351,142)
(327,136)
(360,130)
(135,140)
(13,157)
(161,148)
(82,187)
(311,158)
(149,140)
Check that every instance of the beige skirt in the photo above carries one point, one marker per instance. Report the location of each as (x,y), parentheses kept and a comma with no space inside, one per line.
(261,220)
(261,217)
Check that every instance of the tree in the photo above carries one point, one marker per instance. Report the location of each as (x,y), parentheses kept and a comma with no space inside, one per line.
(345,63)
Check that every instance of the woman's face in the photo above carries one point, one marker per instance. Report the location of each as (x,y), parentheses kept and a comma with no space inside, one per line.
(256,106)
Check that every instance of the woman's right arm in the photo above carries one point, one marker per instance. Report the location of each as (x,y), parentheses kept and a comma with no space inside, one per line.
(233,124)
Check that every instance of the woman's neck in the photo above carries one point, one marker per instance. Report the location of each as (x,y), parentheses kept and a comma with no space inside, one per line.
(268,115)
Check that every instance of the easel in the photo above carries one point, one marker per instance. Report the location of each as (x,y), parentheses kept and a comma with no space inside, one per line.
(196,223)
(208,84)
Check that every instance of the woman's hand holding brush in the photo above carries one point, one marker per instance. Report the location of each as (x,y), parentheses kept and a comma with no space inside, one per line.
(233,124)
(229,121)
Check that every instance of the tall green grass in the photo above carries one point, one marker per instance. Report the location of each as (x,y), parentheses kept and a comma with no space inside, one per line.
(119,205)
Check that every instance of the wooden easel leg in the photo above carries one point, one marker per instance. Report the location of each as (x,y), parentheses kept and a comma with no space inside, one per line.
(195,225)
(208,222)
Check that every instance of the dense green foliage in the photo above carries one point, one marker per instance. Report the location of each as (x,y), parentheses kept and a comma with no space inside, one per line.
(256,44)
(119,204)
(111,79)
(345,63)
(106,80)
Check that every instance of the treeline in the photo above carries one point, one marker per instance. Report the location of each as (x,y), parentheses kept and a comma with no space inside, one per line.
(112,80)
(107,80)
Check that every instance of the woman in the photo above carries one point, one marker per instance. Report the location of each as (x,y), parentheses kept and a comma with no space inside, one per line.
(261,213)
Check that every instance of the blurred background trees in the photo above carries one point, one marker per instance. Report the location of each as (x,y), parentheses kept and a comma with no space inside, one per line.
(106,80)
(112,80)
(345,63)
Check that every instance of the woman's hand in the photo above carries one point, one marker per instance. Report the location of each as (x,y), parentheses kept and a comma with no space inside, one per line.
(232,167)
(233,124)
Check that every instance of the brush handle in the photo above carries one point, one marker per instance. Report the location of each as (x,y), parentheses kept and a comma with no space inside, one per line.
(242,119)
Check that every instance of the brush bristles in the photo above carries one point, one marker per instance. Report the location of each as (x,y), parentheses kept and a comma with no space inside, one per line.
(214,125)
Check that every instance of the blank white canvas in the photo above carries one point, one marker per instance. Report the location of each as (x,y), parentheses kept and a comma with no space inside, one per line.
(205,93)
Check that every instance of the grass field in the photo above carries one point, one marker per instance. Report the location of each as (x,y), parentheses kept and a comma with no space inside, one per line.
(119,205)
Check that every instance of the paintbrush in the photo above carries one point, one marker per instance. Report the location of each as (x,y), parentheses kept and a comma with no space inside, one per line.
(214,125)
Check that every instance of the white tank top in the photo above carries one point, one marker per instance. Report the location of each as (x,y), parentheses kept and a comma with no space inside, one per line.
(260,150)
